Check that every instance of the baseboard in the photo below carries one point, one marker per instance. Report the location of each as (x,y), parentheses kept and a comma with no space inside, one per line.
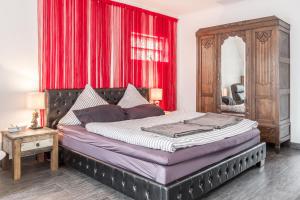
(295,145)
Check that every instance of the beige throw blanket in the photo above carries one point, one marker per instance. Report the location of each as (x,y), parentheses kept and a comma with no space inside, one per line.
(178,129)
(205,123)
(217,121)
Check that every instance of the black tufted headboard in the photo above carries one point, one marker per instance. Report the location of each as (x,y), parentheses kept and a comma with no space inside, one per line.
(59,102)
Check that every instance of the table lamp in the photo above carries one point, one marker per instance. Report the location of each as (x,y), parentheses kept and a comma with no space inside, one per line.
(36,101)
(155,95)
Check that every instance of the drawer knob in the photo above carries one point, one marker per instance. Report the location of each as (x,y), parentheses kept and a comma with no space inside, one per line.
(37,144)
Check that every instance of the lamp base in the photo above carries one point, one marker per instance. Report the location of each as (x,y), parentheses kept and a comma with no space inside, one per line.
(34,121)
(156,103)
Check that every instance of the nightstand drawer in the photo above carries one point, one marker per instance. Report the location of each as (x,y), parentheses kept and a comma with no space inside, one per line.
(27,146)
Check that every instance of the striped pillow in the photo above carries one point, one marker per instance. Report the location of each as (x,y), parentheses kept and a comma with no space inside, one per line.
(88,98)
(132,98)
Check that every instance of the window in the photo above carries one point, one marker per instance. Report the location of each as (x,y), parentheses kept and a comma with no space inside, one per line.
(149,48)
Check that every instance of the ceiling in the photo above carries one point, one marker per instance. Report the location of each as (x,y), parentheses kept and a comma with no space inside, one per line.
(177,7)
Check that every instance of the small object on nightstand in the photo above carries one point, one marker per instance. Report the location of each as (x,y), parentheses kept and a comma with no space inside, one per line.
(26,143)
(16,128)
(36,101)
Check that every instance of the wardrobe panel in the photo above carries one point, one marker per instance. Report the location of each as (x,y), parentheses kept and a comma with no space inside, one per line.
(284,44)
(264,65)
(208,63)
(284,79)
(264,110)
(285,132)
(284,74)
(207,86)
(284,107)
(208,104)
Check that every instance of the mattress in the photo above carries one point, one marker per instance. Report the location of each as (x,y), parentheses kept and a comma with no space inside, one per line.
(130,131)
(160,166)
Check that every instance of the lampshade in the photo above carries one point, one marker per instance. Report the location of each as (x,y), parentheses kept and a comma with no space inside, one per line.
(35,100)
(155,94)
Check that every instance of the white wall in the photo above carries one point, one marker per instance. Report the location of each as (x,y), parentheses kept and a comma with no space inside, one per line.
(288,10)
(18,59)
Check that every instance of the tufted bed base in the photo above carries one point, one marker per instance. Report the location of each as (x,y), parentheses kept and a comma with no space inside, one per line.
(192,187)
(133,185)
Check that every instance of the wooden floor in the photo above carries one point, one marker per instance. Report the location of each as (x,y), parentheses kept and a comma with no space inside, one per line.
(279,179)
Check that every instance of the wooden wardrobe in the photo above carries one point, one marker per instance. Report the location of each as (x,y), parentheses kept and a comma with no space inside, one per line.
(267,43)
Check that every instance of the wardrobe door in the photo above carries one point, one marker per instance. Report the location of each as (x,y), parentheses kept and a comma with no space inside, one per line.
(265,57)
(206,74)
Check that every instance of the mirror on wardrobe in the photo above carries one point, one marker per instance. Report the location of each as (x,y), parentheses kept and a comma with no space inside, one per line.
(233,69)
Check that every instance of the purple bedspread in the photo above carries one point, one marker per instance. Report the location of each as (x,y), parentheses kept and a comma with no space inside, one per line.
(162,167)
(156,156)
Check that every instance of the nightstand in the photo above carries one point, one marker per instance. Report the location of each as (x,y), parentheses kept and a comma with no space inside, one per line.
(26,143)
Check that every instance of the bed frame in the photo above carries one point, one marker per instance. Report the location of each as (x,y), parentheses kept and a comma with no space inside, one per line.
(136,186)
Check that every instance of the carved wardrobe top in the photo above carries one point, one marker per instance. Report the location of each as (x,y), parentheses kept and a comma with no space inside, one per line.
(238,27)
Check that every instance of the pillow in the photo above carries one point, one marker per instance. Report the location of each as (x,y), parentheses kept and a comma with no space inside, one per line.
(102,113)
(132,98)
(88,98)
(143,111)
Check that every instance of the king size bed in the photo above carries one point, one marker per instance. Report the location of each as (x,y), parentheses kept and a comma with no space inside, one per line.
(153,173)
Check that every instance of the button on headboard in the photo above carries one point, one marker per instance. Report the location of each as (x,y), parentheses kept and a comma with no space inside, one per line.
(59,102)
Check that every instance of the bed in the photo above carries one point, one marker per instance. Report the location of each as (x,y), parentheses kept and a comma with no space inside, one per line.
(144,173)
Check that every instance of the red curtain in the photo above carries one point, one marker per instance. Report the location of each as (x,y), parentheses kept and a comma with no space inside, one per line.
(107,44)
(144,50)
(100,44)
(63,43)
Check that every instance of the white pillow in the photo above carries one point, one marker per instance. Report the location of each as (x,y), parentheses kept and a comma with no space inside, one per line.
(88,98)
(132,98)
